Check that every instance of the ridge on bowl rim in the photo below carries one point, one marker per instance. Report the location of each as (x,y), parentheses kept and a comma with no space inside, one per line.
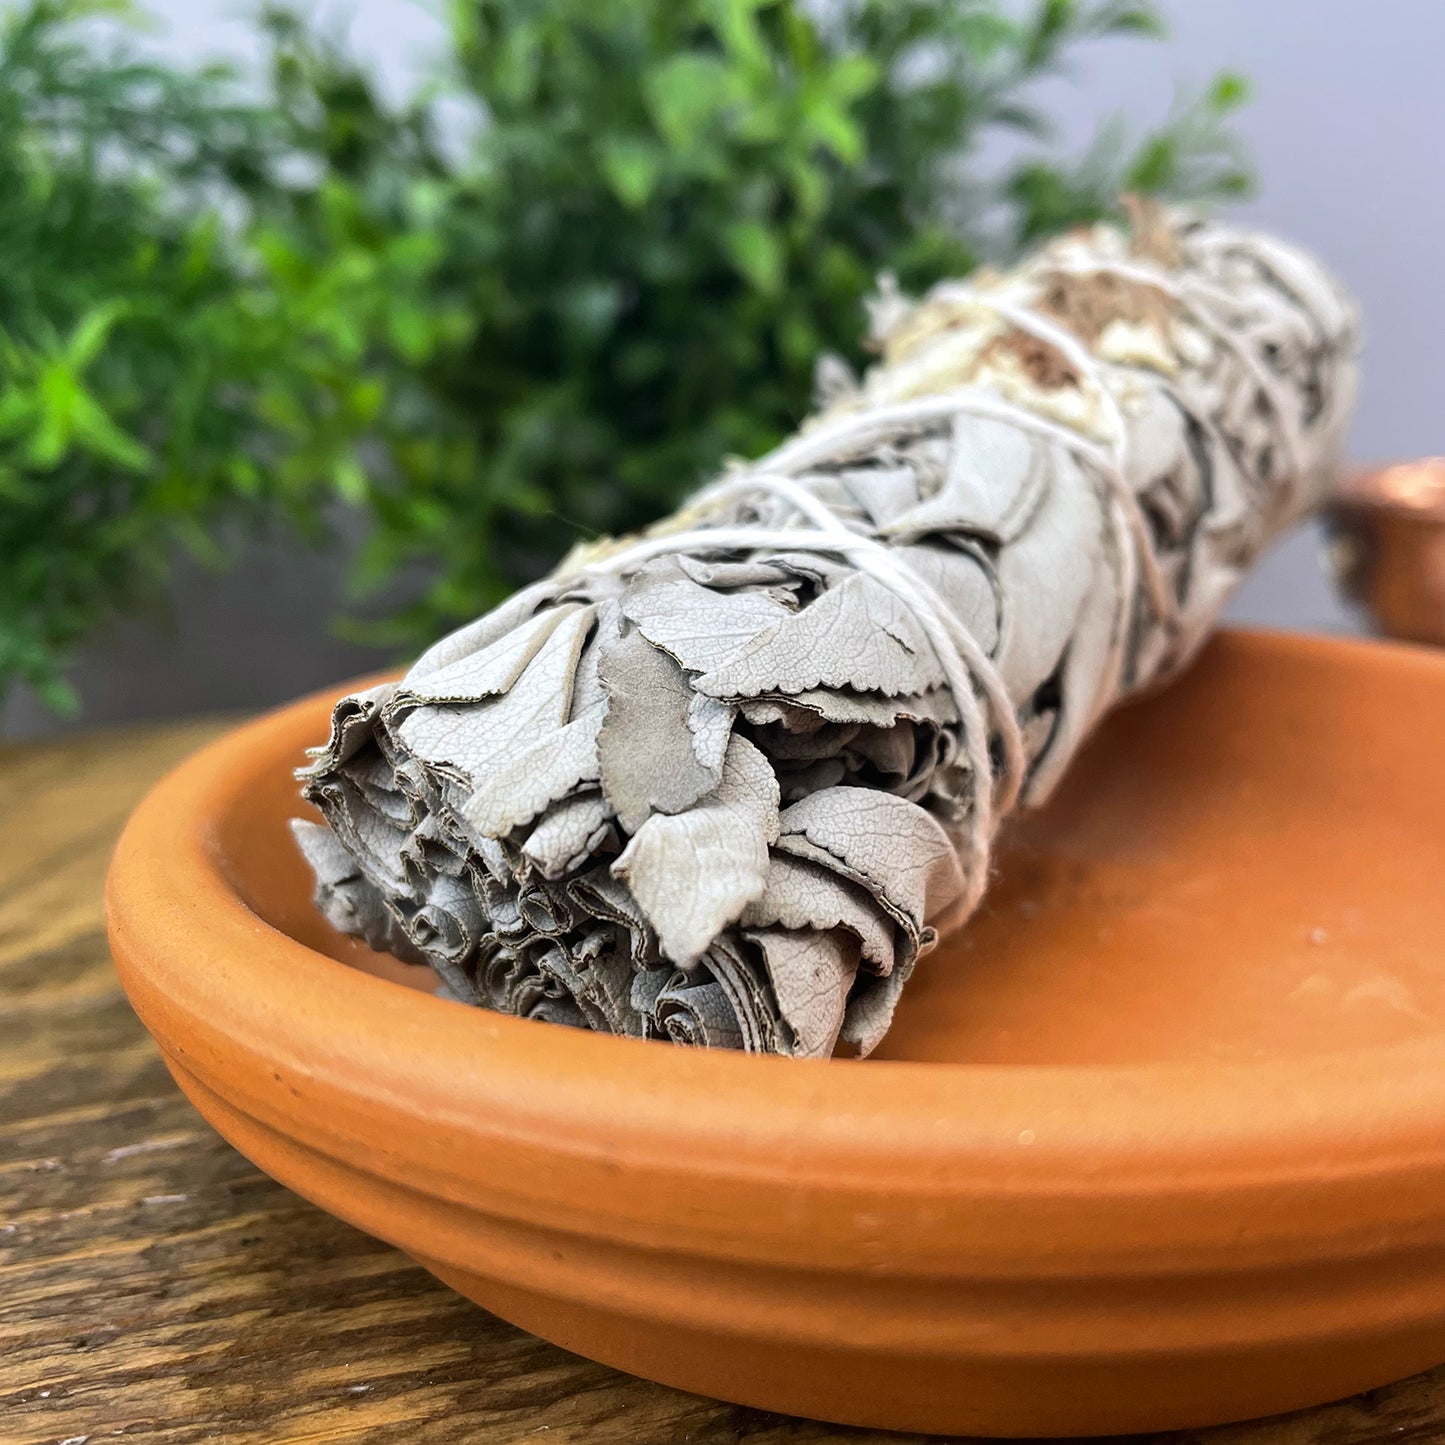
(1200,1178)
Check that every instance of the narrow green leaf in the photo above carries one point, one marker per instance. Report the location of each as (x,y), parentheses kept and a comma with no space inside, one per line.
(1229,91)
(1137,20)
(758,253)
(836,132)
(350,481)
(632,169)
(853,76)
(90,335)
(95,430)
(56,693)
(684,92)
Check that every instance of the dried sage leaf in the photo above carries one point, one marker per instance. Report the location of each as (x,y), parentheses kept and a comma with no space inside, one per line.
(694,872)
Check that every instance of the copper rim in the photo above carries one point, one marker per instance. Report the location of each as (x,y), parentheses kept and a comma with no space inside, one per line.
(1413,488)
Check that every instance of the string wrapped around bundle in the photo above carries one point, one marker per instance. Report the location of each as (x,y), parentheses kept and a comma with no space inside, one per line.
(726,782)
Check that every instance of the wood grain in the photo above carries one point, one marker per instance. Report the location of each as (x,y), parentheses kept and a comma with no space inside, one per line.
(153,1285)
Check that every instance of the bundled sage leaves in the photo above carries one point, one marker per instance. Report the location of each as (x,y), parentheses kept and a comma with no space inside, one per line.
(727,782)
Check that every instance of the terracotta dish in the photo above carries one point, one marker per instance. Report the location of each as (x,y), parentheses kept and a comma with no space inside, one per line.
(1160,1141)
(1388,530)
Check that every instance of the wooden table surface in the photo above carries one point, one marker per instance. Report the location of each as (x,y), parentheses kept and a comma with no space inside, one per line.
(153,1285)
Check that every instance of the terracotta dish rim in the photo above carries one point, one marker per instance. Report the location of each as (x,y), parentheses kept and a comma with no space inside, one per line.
(217,984)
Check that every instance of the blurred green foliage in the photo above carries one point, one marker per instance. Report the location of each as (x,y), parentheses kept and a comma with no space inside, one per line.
(598,252)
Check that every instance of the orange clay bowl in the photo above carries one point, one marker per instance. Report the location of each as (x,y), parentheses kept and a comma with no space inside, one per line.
(1159,1141)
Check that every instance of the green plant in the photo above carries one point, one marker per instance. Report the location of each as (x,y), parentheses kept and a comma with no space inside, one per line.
(600,252)
(136,350)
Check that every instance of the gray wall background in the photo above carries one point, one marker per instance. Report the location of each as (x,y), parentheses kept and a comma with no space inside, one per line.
(1346,129)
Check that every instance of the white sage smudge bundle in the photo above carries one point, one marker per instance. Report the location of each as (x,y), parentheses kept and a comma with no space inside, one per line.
(725,783)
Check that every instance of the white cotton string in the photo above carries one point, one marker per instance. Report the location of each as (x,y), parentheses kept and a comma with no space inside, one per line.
(1192,294)
(1114,468)
(856,431)
(966,667)
(964,662)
